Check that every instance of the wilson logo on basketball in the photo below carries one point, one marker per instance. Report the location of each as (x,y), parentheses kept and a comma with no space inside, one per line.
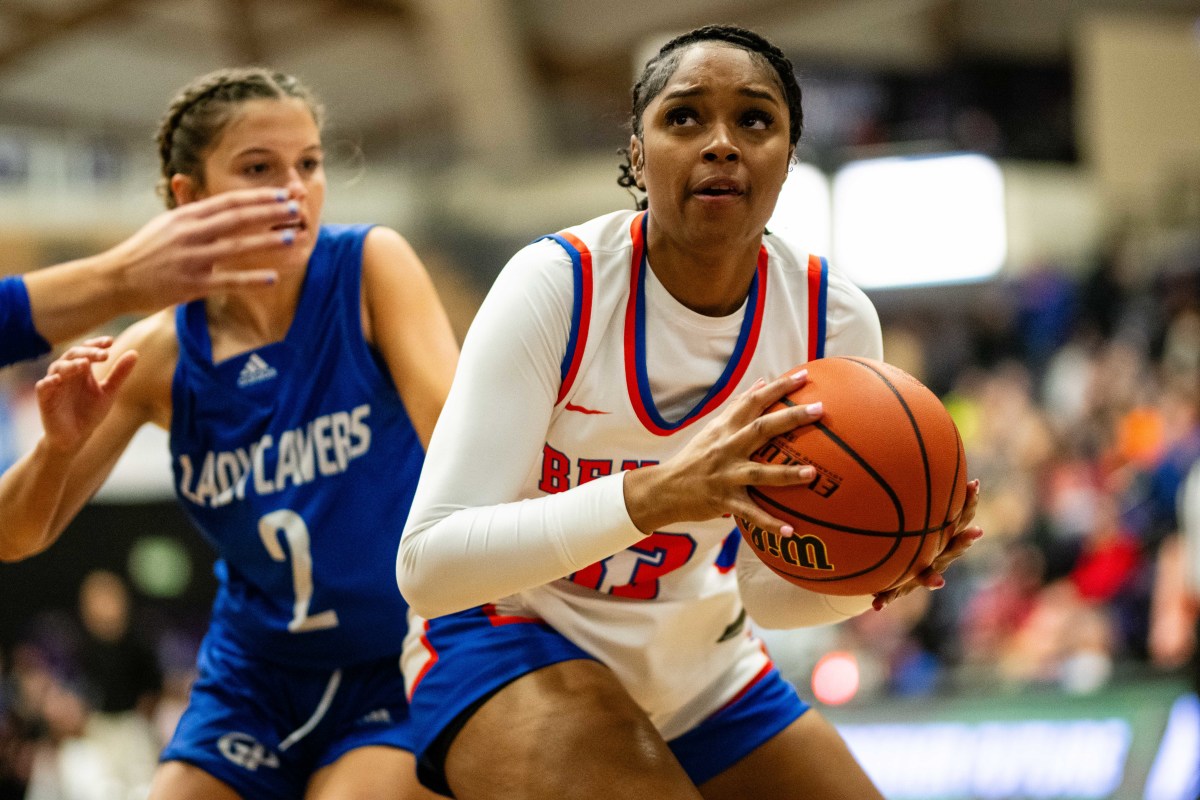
(807,551)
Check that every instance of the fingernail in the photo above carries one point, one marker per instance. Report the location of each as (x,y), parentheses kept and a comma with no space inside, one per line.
(759,382)
(815,409)
(939,583)
(288,236)
(281,195)
(293,207)
(800,374)
(786,530)
(807,473)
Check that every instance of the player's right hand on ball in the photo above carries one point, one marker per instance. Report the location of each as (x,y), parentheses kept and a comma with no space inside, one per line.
(709,476)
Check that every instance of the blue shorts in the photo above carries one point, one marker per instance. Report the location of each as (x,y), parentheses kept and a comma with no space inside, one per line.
(478,653)
(265,729)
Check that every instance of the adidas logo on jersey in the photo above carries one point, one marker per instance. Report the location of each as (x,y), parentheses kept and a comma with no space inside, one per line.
(376,716)
(254,371)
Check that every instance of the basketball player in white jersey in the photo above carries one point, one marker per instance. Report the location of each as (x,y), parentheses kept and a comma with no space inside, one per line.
(582,601)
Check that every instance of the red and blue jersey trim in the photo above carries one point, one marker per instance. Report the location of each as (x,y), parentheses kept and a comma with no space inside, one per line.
(727,558)
(818,298)
(581,308)
(431,659)
(636,378)
(762,673)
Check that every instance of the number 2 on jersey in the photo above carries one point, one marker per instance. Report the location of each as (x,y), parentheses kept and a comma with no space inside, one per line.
(295,532)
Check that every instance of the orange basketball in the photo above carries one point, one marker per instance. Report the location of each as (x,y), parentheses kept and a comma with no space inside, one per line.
(891,479)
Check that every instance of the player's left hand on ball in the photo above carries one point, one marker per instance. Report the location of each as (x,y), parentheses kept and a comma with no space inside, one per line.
(965,534)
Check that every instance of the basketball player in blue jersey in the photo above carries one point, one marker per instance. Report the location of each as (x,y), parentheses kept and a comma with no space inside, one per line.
(592,642)
(298,416)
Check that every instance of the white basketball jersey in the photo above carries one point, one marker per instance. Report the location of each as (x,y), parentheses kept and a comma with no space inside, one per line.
(665,614)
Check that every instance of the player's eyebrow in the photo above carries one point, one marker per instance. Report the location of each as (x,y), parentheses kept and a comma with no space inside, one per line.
(746,91)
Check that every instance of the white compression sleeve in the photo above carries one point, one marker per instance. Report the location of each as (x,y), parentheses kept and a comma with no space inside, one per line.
(772,602)
(468,539)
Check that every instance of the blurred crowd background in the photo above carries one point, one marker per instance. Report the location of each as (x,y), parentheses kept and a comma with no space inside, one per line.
(1073,372)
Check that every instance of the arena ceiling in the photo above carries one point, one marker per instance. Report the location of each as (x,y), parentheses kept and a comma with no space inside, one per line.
(489,77)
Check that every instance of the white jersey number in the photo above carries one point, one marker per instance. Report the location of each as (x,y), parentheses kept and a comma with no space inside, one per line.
(295,533)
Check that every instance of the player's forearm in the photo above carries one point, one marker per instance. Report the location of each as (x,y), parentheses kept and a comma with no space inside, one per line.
(68,300)
(495,551)
(30,494)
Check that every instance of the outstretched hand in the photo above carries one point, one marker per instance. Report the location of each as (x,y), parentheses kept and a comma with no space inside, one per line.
(965,534)
(71,400)
(170,259)
(710,475)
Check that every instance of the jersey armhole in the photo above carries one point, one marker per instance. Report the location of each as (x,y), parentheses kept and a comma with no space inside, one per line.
(818,305)
(581,309)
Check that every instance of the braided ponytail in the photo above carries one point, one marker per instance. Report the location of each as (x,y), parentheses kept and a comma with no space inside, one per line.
(201,110)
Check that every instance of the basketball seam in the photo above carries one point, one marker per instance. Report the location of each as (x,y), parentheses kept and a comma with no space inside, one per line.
(878,534)
(919,541)
(844,446)
(916,429)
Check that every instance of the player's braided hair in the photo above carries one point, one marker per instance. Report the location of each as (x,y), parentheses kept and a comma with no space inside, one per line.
(200,111)
(658,71)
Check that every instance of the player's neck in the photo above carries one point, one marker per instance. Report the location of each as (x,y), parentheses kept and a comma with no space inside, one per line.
(710,280)
(250,318)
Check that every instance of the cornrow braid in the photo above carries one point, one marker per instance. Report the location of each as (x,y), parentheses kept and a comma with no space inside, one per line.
(201,110)
(661,67)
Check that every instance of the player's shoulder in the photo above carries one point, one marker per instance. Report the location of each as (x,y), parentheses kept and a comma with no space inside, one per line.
(387,247)
(599,244)
(155,341)
(153,335)
(791,255)
(605,232)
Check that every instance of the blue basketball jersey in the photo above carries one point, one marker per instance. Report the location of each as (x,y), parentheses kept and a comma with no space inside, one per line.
(298,461)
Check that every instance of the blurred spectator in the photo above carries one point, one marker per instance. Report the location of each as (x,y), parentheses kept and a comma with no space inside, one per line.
(29,703)
(76,706)
(1000,606)
(122,681)
(1046,312)
(1064,641)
